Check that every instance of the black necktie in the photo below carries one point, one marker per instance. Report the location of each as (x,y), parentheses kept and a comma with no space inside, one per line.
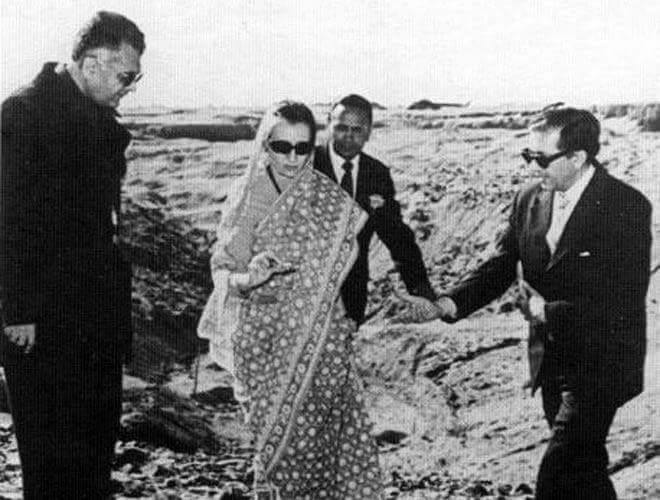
(347,179)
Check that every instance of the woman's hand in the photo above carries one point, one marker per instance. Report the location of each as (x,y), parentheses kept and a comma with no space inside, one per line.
(260,269)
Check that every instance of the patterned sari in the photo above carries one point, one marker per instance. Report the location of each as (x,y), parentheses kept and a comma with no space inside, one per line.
(289,347)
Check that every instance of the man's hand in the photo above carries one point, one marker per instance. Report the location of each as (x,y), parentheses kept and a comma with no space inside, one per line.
(423,309)
(22,335)
(531,303)
(447,307)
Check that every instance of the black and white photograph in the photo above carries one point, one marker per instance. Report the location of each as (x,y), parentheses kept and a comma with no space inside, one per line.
(342,249)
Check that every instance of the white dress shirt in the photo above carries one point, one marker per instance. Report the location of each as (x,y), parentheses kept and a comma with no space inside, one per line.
(563,205)
(337,165)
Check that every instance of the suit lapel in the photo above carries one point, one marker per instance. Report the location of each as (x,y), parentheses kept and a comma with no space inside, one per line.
(536,247)
(361,184)
(323,163)
(581,220)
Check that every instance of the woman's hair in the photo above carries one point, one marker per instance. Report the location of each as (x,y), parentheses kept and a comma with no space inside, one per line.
(296,112)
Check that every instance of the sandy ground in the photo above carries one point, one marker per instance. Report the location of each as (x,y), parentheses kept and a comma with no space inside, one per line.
(447,401)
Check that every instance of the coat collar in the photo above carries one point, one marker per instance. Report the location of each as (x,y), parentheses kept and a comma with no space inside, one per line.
(62,93)
(322,162)
(584,217)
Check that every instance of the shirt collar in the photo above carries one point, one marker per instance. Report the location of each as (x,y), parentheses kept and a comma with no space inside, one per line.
(573,193)
(338,162)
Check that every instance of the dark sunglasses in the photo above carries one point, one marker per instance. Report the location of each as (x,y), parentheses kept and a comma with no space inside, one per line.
(128,78)
(541,159)
(284,147)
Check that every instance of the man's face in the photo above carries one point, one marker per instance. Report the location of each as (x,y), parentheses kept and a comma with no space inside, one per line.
(562,172)
(110,73)
(350,130)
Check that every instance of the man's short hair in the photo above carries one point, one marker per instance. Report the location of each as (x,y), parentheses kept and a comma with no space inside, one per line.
(579,129)
(356,102)
(109,30)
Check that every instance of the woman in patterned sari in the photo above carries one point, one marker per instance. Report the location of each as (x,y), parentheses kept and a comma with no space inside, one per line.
(276,322)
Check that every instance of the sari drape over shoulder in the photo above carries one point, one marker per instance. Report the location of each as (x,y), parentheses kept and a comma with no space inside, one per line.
(287,342)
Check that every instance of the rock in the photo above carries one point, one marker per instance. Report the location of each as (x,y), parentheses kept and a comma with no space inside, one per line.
(391,492)
(524,489)
(425,104)
(650,122)
(216,396)
(390,437)
(234,491)
(162,418)
(217,132)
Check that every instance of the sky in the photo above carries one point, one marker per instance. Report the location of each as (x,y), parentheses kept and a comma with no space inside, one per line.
(254,52)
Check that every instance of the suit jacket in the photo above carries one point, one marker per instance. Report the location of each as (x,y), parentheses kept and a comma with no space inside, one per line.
(374,178)
(62,163)
(594,284)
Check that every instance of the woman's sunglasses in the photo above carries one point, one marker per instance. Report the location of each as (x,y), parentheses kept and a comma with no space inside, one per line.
(541,159)
(284,147)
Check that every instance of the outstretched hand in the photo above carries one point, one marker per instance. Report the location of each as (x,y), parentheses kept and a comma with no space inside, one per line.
(421,309)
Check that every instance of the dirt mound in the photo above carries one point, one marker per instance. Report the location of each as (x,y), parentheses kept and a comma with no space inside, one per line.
(171,282)
(221,132)
(646,115)
(650,120)
(425,104)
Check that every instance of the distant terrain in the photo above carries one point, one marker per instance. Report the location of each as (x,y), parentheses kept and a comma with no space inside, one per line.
(450,413)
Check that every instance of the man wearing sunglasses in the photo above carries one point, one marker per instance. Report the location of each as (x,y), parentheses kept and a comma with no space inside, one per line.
(66,290)
(578,245)
(369,182)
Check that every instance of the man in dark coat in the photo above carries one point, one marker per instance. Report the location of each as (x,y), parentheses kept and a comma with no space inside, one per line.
(369,182)
(66,289)
(578,243)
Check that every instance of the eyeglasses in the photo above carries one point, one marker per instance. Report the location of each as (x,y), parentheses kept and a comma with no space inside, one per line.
(129,77)
(541,159)
(126,78)
(284,147)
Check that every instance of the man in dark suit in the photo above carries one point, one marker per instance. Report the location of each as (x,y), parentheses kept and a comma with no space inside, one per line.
(369,182)
(579,243)
(66,289)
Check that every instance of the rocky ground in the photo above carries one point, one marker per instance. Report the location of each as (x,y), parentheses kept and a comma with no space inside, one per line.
(450,412)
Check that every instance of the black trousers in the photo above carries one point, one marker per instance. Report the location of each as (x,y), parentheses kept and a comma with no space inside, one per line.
(574,465)
(66,405)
